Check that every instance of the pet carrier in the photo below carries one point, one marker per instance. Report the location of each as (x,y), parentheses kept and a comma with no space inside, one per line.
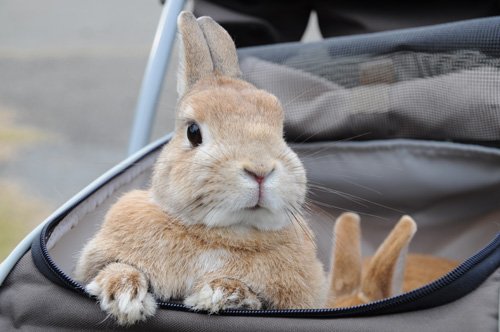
(406,121)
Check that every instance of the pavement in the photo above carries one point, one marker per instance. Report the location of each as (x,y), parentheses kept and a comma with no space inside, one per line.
(70,74)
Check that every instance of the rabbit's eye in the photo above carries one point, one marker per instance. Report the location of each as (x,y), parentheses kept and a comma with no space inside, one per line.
(194,134)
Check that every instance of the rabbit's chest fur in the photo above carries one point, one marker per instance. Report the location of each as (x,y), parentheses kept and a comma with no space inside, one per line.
(175,257)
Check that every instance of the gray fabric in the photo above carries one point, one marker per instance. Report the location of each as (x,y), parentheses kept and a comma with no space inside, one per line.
(29,302)
(452,96)
(353,71)
(480,34)
(381,180)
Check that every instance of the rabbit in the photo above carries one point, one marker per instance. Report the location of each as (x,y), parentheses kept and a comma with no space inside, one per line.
(222,224)
(389,272)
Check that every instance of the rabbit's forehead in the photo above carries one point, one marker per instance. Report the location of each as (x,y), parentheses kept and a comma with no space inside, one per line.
(221,107)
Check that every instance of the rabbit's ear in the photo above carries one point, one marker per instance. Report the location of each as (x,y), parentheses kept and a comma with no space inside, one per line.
(221,46)
(346,256)
(384,275)
(195,59)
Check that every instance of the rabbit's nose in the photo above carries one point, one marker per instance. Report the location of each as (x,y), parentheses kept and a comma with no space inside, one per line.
(258,172)
(258,178)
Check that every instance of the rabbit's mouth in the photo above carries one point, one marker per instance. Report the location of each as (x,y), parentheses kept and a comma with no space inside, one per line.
(257,216)
(254,208)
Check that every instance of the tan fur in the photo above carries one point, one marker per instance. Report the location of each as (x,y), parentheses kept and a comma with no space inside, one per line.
(221,48)
(346,272)
(196,61)
(389,272)
(381,278)
(423,269)
(205,231)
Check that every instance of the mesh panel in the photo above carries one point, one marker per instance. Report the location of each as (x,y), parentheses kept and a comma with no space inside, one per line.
(440,82)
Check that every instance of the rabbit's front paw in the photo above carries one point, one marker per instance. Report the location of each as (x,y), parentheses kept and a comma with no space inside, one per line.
(123,293)
(221,294)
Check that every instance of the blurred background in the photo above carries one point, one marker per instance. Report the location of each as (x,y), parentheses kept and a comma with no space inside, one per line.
(70,74)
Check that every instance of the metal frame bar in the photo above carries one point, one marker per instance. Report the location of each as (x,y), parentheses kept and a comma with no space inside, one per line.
(152,82)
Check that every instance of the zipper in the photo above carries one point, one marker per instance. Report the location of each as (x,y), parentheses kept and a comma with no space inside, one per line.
(384,306)
(60,274)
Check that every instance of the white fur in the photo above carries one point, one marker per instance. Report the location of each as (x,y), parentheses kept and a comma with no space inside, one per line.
(203,300)
(189,282)
(215,300)
(93,288)
(262,219)
(126,309)
(217,297)
(211,260)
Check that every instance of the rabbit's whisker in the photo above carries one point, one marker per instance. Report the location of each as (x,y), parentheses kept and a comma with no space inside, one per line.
(353,198)
(327,205)
(296,216)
